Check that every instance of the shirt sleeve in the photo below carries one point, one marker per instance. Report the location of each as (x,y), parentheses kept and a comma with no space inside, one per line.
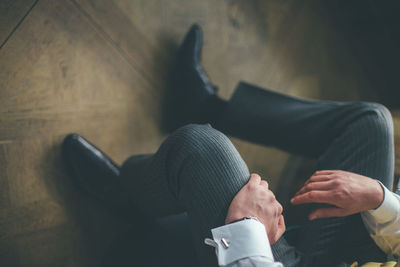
(383,223)
(243,243)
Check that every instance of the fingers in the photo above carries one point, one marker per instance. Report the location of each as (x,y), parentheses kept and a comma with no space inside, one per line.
(280,209)
(280,230)
(325,172)
(272,231)
(264,184)
(281,220)
(322,175)
(314,197)
(327,212)
(255,179)
(319,178)
(324,185)
(281,227)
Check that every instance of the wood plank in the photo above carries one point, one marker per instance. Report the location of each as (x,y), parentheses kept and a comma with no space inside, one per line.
(4,190)
(108,19)
(56,243)
(12,13)
(47,87)
(242,40)
(30,218)
(61,75)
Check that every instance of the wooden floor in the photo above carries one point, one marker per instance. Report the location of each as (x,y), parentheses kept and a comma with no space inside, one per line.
(98,68)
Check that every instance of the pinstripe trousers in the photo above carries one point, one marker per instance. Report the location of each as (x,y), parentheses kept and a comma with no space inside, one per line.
(198,170)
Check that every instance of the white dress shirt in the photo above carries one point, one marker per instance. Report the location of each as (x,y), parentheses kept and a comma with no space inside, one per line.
(245,243)
(383,223)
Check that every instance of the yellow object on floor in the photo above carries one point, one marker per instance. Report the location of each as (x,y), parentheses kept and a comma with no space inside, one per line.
(376,264)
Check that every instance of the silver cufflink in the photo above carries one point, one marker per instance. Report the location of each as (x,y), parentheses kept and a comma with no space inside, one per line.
(225,243)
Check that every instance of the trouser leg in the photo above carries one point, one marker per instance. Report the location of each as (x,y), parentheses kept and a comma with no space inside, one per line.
(198,170)
(296,125)
(356,137)
(365,147)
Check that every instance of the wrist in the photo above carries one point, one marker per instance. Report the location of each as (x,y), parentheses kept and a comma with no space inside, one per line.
(244,218)
(379,196)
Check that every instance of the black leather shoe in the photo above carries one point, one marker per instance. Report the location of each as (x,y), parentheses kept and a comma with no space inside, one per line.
(96,175)
(90,168)
(194,94)
(193,77)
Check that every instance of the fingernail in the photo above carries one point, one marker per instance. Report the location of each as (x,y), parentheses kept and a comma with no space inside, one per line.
(312,217)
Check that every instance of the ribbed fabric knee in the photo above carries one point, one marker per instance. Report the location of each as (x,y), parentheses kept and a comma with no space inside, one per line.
(206,151)
(383,118)
(205,172)
(364,146)
(375,129)
(367,139)
(193,137)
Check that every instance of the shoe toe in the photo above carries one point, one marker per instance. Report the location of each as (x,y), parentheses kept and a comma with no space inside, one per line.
(91,170)
(191,46)
(195,33)
(73,145)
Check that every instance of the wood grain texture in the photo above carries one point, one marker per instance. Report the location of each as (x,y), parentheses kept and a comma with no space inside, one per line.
(62,76)
(99,68)
(12,13)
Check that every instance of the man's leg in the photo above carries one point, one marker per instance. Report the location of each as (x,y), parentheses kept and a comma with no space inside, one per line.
(198,170)
(356,137)
(365,147)
(296,125)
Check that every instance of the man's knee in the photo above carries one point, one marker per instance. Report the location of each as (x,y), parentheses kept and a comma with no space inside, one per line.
(378,116)
(202,139)
(194,130)
(211,155)
(202,146)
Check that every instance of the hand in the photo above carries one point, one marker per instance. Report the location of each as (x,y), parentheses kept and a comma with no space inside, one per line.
(256,200)
(350,193)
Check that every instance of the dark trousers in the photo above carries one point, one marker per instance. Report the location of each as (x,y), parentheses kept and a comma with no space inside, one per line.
(197,170)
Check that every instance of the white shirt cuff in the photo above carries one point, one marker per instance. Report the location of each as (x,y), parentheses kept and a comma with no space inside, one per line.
(246,238)
(388,209)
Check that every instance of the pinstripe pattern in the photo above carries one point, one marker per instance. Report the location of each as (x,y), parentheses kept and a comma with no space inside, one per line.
(198,170)
(365,146)
(352,136)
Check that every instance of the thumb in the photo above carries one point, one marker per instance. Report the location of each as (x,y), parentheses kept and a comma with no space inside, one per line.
(327,212)
(281,224)
(255,179)
(281,229)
